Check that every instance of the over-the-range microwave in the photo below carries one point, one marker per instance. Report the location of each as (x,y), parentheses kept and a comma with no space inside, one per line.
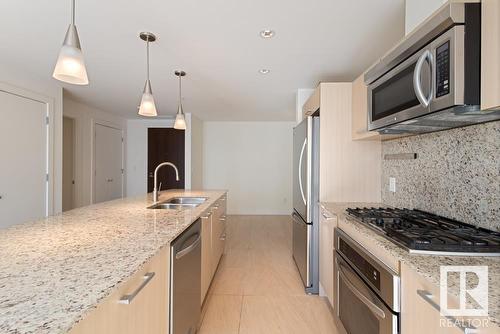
(431,81)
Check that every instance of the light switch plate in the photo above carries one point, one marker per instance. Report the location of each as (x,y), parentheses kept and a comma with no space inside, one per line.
(392,184)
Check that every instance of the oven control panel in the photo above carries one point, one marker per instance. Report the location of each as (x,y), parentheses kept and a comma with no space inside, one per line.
(443,69)
(368,271)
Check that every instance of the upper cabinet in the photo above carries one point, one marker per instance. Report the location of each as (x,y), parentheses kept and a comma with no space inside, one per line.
(360,112)
(359,121)
(490,54)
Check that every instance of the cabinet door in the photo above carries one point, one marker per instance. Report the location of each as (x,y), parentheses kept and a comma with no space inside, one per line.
(490,54)
(206,254)
(217,241)
(147,308)
(326,249)
(420,308)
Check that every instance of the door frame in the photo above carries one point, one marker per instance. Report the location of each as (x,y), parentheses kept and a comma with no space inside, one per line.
(50,142)
(112,125)
(75,135)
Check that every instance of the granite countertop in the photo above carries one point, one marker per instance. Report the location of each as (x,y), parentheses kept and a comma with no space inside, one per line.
(427,266)
(55,270)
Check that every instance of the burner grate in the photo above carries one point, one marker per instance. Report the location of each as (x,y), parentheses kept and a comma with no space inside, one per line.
(420,230)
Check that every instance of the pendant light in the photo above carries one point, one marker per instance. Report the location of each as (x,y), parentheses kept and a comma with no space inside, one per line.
(70,66)
(147,107)
(180,120)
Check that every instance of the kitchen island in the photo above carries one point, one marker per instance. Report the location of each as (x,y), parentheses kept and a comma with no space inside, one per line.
(55,271)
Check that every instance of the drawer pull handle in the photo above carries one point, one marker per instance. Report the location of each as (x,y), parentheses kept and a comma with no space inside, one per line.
(223,237)
(206,216)
(428,297)
(222,219)
(326,217)
(127,299)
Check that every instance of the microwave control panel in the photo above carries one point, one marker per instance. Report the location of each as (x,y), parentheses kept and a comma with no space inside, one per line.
(443,69)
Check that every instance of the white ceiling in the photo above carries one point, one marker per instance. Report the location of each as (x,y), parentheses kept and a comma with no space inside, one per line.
(216,42)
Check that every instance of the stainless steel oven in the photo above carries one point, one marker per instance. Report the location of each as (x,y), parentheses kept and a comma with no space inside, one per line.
(368,292)
(431,80)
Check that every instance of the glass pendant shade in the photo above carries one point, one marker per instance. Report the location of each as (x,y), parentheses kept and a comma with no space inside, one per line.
(147,107)
(180,120)
(70,66)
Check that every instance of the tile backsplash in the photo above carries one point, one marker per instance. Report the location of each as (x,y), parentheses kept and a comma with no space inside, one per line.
(456,174)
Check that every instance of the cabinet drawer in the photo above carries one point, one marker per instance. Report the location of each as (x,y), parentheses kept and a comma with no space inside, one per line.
(139,305)
(327,224)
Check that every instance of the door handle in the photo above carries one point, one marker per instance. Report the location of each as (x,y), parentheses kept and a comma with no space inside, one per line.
(417,85)
(361,297)
(300,172)
(127,299)
(189,248)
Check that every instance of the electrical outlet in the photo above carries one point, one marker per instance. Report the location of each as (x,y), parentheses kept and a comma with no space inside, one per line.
(392,184)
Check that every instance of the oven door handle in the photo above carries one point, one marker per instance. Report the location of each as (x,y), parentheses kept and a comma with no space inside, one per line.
(374,308)
(417,86)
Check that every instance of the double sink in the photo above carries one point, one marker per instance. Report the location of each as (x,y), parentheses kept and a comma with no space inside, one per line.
(178,203)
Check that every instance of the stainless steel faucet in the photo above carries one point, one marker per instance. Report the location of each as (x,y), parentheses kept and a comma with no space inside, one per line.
(155,191)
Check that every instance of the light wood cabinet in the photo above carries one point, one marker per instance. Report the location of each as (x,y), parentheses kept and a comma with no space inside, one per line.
(490,54)
(327,223)
(360,112)
(213,232)
(420,307)
(147,312)
(349,170)
(218,233)
(206,254)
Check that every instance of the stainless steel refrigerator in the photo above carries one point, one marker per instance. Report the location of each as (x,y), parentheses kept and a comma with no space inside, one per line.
(305,215)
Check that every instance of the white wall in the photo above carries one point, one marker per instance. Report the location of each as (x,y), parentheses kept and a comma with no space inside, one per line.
(50,88)
(300,98)
(85,117)
(416,11)
(196,153)
(253,161)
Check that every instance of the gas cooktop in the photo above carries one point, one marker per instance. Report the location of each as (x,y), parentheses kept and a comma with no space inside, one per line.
(424,232)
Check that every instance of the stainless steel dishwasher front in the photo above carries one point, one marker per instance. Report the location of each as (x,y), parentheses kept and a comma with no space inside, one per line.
(185,281)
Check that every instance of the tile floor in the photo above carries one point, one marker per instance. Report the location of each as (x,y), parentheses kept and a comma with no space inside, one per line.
(257,288)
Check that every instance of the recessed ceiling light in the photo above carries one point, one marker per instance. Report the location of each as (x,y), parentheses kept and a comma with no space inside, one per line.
(264,71)
(267,33)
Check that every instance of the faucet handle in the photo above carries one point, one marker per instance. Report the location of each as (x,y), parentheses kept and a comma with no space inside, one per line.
(159,188)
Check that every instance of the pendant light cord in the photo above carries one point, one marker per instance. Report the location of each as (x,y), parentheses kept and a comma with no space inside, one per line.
(73,12)
(180,90)
(147,58)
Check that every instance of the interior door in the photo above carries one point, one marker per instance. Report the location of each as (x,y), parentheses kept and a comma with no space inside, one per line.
(24,151)
(166,144)
(108,181)
(300,169)
(68,164)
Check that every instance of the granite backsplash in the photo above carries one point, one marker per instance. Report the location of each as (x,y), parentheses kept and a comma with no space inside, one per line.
(456,174)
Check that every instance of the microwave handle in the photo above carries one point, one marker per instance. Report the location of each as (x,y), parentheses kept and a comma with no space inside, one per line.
(424,101)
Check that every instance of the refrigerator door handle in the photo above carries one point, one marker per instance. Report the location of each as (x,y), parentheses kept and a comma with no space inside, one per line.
(300,171)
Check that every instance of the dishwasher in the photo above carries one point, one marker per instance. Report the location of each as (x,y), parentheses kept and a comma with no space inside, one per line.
(185,281)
